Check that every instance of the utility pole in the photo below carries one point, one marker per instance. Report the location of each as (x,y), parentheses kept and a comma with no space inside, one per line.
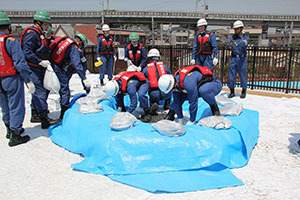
(291,32)
(107,4)
(102,21)
(153,30)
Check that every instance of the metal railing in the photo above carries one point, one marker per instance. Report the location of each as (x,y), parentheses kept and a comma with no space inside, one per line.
(268,68)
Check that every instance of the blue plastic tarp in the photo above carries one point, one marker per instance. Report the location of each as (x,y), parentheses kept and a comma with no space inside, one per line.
(141,157)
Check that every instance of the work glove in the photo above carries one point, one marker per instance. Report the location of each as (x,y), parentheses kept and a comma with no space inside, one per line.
(246,42)
(132,68)
(193,62)
(215,61)
(31,87)
(98,58)
(87,83)
(44,63)
(129,62)
(180,121)
(126,59)
(138,69)
(191,123)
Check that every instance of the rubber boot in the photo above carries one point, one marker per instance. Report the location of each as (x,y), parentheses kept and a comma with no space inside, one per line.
(243,95)
(16,138)
(46,121)
(62,111)
(101,82)
(231,93)
(35,118)
(9,131)
(153,109)
(215,110)
(167,103)
(146,117)
(170,115)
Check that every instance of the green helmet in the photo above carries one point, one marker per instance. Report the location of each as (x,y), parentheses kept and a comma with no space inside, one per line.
(83,38)
(4,20)
(42,15)
(134,37)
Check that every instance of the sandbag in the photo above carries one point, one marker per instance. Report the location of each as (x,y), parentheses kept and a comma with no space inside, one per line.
(169,128)
(217,122)
(51,81)
(122,121)
(90,108)
(223,100)
(234,109)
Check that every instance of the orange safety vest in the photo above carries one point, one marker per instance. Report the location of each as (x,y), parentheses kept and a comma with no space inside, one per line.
(152,76)
(203,45)
(59,48)
(106,48)
(186,70)
(125,76)
(135,57)
(7,67)
(42,37)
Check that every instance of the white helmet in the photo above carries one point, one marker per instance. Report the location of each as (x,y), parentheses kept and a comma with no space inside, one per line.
(105,27)
(238,24)
(153,53)
(111,88)
(202,22)
(166,83)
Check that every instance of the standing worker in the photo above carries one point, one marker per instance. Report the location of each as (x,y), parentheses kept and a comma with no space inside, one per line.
(205,49)
(13,73)
(66,58)
(238,61)
(37,54)
(135,54)
(106,53)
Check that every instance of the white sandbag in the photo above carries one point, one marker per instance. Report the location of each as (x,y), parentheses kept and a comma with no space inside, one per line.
(169,128)
(132,68)
(217,122)
(51,81)
(122,121)
(90,108)
(223,100)
(234,109)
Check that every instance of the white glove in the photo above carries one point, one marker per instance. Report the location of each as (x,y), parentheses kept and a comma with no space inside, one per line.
(180,121)
(190,123)
(44,63)
(129,62)
(87,83)
(193,62)
(31,87)
(138,69)
(115,58)
(215,61)
(98,58)
(126,59)
(132,68)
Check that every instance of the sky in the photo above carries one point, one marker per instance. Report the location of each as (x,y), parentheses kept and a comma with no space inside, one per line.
(275,7)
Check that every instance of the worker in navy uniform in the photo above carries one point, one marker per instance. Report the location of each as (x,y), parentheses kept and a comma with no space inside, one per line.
(190,83)
(37,54)
(133,84)
(153,71)
(66,57)
(238,61)
(13,73)
(106,53)
(205,49)
(135,54)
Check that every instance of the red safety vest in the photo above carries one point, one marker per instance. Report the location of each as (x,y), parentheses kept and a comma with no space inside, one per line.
(106,48)
(203,45)
(59,48)
(152,76)
(125,76)
(135,57)
(42,37)
(7,67)
(186,70)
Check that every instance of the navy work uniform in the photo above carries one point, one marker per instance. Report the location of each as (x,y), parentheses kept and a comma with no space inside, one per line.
(137,54)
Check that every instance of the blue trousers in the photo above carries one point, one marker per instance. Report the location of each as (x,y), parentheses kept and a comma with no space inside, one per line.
(106,66)
(237,65)
(12,101)
(204,60)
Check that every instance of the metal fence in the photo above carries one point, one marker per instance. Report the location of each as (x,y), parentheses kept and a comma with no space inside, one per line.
(268,68)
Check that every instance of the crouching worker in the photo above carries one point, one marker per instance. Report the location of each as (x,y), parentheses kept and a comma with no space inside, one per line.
(66,58)
(129,83)
(153,72)
(190,83)
(13,73)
